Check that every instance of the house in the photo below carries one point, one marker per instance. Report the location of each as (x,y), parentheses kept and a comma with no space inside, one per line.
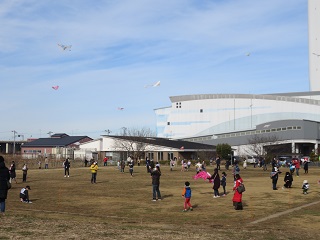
(59,145)
(158,149)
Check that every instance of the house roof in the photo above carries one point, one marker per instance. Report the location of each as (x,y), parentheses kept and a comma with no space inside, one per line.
(54,142)
(178,144)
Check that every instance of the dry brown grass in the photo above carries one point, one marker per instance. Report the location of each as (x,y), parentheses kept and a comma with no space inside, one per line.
(120,207)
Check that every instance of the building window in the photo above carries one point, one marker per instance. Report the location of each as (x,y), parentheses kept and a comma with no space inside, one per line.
(201,110)
(289,128)
(160,156)
(299,128)
(168,123)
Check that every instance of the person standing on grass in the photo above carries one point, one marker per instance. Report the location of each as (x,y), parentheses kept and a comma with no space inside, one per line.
(306,167)
(4,178)
(66,166)
(12,171)
(155,175)
(46,163)
(218,162)
(122,166)
(186,193)
(274,176)
(131,167)
(224,183)
(216,183)
(105,161)
(94,170)
(237,197)
(24,172)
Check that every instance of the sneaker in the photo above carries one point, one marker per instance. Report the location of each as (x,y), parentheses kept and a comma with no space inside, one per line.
(218,196)
(29,202)
(159,199)
(223,195)
(191,209)
(153,200)
(65,176)
(214,197)
(68,176)
(184,210)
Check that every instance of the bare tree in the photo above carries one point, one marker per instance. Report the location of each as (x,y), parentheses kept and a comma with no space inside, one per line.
(133,141)
(263,145)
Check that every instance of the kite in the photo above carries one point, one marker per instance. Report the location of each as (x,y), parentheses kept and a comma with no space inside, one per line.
(204,175)
(248,54)
(55,87)
(157,84)
(65,47)
(120,108)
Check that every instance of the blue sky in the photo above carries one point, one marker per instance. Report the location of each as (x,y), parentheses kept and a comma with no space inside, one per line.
(118,47)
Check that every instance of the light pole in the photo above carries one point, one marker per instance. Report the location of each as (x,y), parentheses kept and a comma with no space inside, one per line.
(14,142)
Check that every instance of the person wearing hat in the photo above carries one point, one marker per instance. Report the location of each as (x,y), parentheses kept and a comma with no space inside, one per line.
(305,186)
(4,179)
(24,195)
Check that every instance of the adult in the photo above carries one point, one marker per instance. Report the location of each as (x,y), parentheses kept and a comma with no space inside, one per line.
(46,163)
(306,167)
(4,178)
(122,166)
(297,165)
(12,171)
(216,183)
(218,162)
(24,172)
(287,180)
(66,166)
(94,170)
(236,170)
(148,164)
(155,175)
(237,196)
(228,164)
(105,161)
(131,164)
(274,176)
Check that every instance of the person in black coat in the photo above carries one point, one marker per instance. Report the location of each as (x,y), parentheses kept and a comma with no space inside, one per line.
(4,178)
(288,180)
(216,182)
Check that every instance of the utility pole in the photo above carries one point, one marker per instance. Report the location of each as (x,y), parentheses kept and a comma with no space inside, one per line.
(14,142)
(108,131)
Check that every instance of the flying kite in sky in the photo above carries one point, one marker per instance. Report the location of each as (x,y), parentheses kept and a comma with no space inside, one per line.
(120,108)
(248,54)
(157,84)
(55,87)
(65,47)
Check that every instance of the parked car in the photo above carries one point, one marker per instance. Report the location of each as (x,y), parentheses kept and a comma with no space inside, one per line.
(252,159)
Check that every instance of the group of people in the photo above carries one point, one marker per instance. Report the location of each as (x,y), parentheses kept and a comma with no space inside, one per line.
(6,176)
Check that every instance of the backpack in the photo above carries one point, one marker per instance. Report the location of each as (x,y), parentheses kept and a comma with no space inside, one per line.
(241,188)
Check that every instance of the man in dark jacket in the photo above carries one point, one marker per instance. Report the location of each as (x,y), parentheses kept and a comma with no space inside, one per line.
(155,175)
(4,178)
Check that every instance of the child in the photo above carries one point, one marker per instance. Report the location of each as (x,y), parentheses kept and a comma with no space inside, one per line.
(305,187)
(131,168)
(24,172)
(186,193)
(224,183)
(24,194)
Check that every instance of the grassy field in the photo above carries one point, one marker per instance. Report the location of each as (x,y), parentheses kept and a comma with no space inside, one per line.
(119,207)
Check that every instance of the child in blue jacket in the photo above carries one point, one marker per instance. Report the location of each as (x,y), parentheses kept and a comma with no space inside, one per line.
(186,193)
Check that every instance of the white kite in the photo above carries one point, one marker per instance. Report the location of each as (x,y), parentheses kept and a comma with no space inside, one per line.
(248,54)
(157,84)
(55,87)
(65,47)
